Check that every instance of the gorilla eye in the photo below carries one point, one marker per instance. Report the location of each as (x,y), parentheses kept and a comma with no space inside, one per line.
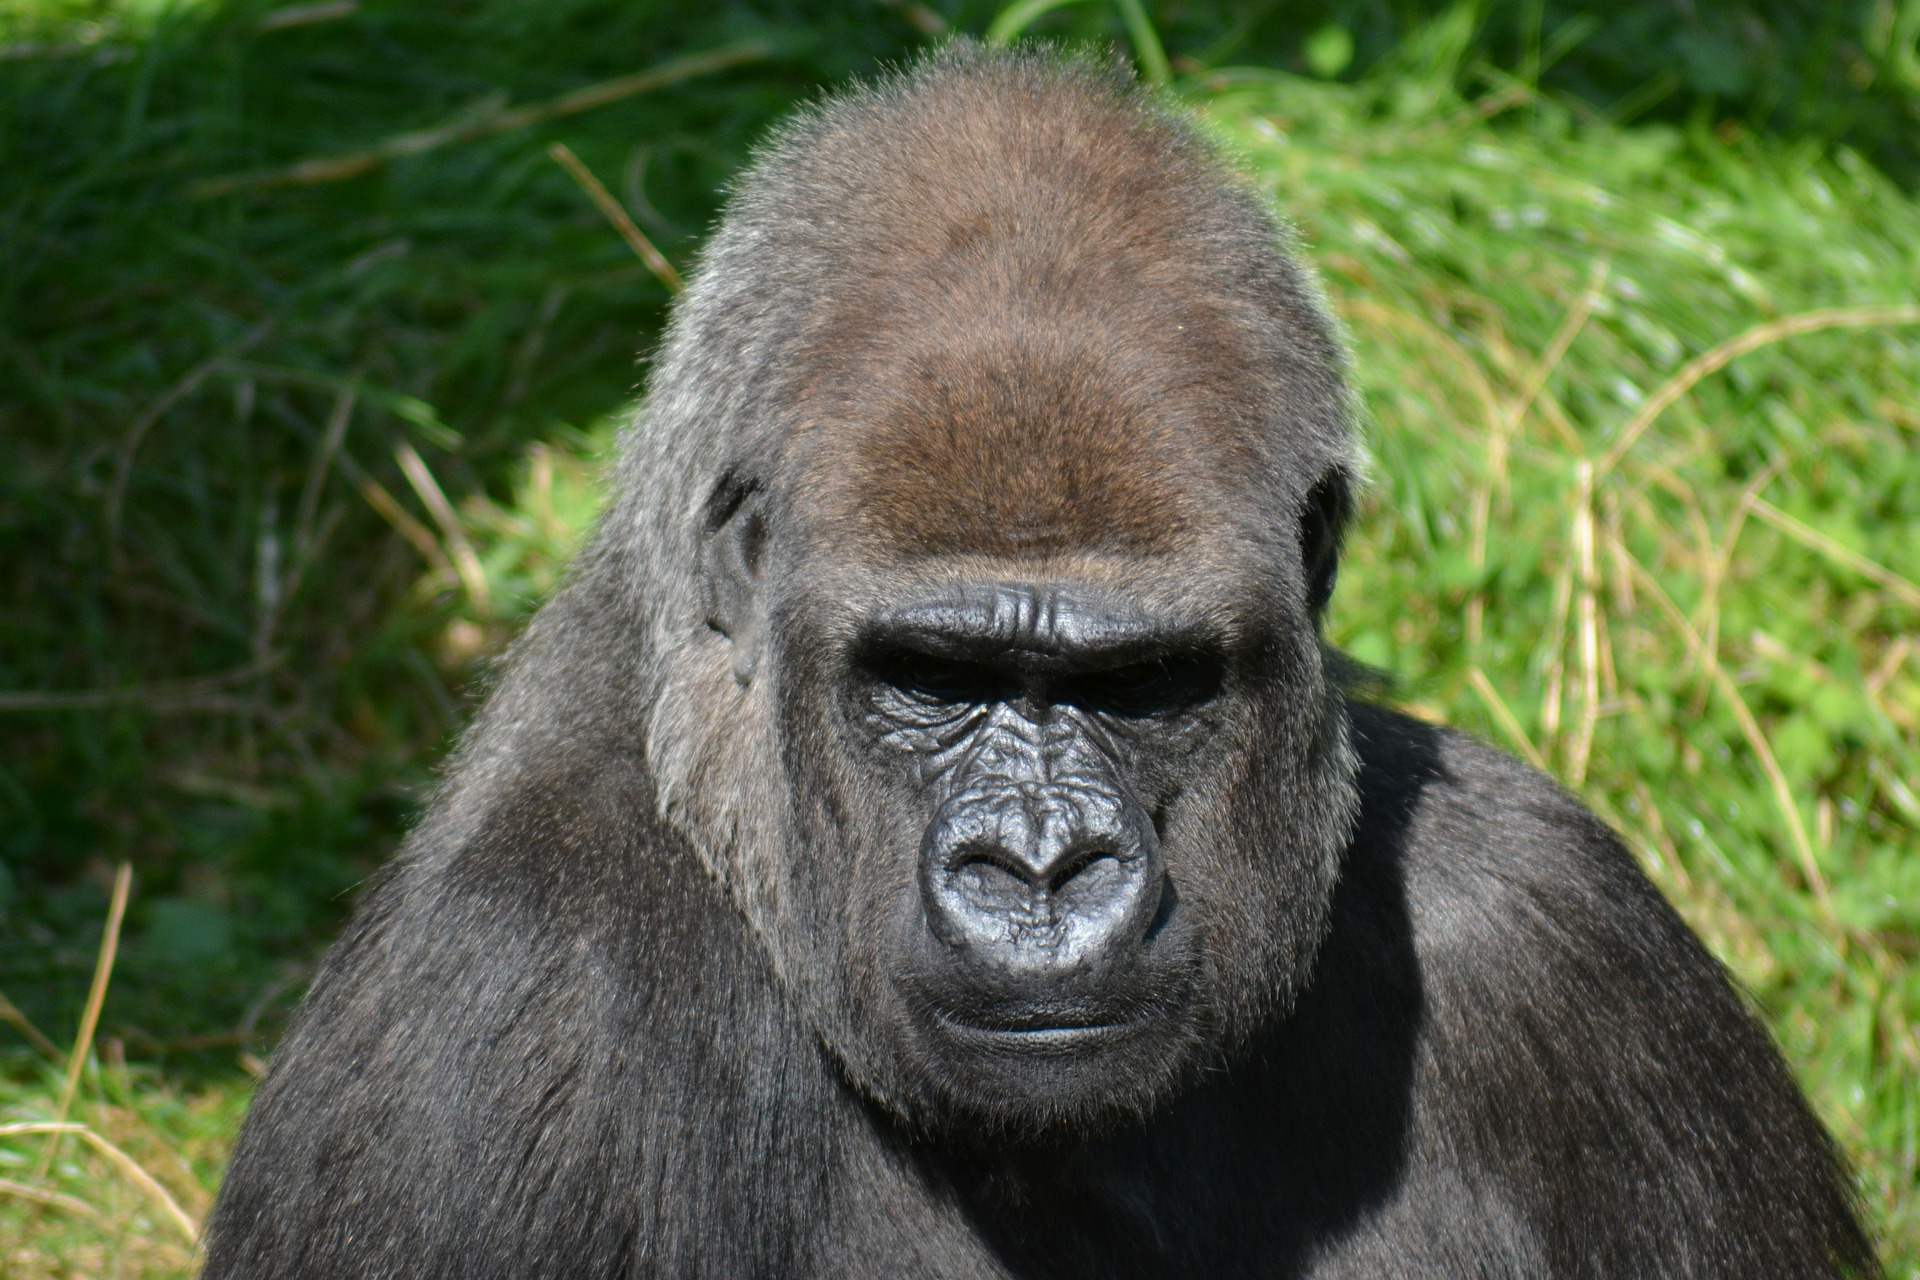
(945,681)
(1161,686)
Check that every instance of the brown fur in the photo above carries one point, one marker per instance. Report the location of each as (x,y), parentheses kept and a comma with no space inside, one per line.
(1043,349)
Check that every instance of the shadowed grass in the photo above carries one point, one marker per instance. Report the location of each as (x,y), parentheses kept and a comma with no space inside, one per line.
(227,408)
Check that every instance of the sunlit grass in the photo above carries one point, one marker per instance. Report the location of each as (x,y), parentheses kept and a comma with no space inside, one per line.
(96,1216)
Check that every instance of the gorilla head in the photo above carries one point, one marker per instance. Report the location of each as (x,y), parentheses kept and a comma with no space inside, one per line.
(994,493)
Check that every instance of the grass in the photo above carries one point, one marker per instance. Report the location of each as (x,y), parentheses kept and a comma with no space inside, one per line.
(1680,574)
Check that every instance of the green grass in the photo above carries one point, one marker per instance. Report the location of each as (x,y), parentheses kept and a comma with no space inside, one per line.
(1712,630)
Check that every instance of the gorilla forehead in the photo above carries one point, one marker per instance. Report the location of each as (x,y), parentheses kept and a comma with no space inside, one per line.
(1040,438)
(1055,321)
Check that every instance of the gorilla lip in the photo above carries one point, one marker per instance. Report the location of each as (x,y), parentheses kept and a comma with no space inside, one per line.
(1054,1027)
(1056,1038)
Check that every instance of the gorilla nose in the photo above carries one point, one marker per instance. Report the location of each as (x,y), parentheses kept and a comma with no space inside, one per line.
(1039,883)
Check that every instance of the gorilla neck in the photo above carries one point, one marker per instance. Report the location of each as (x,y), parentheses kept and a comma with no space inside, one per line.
(1169,1196)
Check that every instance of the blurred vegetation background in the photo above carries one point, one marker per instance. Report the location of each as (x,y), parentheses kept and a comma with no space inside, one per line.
(310,351)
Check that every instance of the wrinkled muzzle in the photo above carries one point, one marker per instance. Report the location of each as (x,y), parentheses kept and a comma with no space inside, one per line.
(1040,878)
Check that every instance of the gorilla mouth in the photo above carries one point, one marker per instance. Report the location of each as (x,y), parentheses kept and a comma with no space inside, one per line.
(1012,1006)
(989,1011)
(1036,1065)
(1006,1030)
(1036,1033)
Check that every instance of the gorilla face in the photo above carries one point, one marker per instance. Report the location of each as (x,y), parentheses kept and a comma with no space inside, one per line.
(1062,830)
(1048,748)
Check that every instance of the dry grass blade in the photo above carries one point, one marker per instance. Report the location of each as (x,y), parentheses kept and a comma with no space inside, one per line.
(1732,349)
(132,1170)
(129,1168)
(305,15)
(459,550)
(51,1199)
(1550,699)
(1890,662)
(1449,356)
(1818,541)
(160,695)
(1557,347)
(1589,622)
(1660,843)
(616,213)
(418,536)
(40,1126)
(1504,714)
(1719,557)
(90,1016)
(11,1015)
(1536,380)
(924,20)
(352,164)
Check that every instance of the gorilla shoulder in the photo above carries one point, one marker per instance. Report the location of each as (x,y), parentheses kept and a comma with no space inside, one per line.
(1558,991)
(1511,884)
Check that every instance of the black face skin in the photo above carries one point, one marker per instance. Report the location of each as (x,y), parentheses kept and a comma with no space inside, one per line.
(1051,867)
(1058,831)
(1044,731)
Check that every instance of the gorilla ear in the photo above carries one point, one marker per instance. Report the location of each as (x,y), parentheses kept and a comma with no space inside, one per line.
(1322,522)
(732,541)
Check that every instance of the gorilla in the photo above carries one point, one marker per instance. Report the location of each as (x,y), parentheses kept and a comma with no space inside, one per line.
(928,835)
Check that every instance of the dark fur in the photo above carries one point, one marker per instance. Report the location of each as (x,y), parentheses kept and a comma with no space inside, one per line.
(619,1009)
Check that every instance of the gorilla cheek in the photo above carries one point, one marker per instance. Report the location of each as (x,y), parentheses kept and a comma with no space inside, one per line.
(1253,845)
(831,867)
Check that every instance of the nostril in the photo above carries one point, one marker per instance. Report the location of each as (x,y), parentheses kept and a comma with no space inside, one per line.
(1000,873)
(1075,864)
(991,880)
(1099,886)
(990,871)
(988,860)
